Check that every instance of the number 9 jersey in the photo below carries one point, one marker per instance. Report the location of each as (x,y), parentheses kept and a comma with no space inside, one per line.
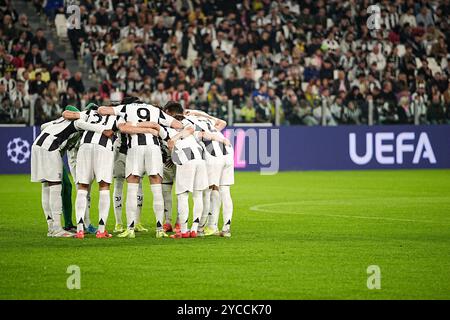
(139,112)
(144,153)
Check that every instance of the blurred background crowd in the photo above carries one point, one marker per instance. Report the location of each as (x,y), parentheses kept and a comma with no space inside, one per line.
(309,62)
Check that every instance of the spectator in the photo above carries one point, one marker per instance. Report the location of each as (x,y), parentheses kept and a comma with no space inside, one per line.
(181,95)
(199,98)
(159,96)
(424,17)
(60,69)
(4,104)
(34,56)
(39,40)
(70,97)
(351,114)
(21,97)
(260,99)
(8,82)
(436,111)
(248,113)
(76,82)
(37,86)
(418,105)
(207,54)
(336,109)
(49,56)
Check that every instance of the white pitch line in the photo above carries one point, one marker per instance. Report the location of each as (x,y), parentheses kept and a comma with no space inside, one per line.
(259,208)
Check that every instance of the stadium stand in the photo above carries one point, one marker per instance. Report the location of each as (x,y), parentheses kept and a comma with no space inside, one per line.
(283,62)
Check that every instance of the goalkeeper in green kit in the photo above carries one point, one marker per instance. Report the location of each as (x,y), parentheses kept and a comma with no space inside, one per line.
(72,150)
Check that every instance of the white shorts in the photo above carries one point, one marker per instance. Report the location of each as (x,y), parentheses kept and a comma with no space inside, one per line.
(94,161)
(143,160)
(169,174)
(220,170)
(120,161)
(191,176)
(46,165)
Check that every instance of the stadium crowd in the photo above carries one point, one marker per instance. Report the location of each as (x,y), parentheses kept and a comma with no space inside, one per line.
(312,62)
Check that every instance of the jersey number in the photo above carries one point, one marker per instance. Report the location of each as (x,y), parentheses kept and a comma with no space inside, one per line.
(99,119)
(143,114)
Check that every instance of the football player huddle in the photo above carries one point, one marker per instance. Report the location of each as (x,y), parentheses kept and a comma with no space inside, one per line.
(127,142)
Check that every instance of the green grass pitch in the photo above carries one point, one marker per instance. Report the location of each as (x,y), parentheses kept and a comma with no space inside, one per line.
(296,235)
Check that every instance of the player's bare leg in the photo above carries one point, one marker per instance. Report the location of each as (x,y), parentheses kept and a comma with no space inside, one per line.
(104,205)
(158,204)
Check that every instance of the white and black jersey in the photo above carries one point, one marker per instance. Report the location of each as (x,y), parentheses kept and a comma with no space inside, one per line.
(165,150)
(56,134)
(140,112)
(109,122)
(121,143)
(214,148)
(185,149)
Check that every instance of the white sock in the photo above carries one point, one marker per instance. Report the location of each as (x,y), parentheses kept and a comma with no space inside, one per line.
(167,195)
(206,207)
(80,208)
(132,204)
(140,200)
(104,203)
(46,205)
(198,209)
(227,207)
(87,214)
(118,193)
(55,200)
(183,210)
(158,205)
(215,209)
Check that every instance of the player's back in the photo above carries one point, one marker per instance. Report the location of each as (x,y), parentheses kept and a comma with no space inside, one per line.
(185,149)
(140,112)
(56,134)
(213,148)
(109,122)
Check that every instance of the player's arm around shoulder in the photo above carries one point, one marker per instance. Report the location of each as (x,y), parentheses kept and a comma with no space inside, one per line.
(132,128)
(82,124)
(174,123)
(71,115)
(220,124)
(149,124)
(109,111)
(214,137)
(186,132)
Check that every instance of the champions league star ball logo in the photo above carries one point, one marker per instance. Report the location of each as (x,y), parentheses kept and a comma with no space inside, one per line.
(18,151)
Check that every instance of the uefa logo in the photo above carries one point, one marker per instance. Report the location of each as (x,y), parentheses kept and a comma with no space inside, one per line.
(18,150)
